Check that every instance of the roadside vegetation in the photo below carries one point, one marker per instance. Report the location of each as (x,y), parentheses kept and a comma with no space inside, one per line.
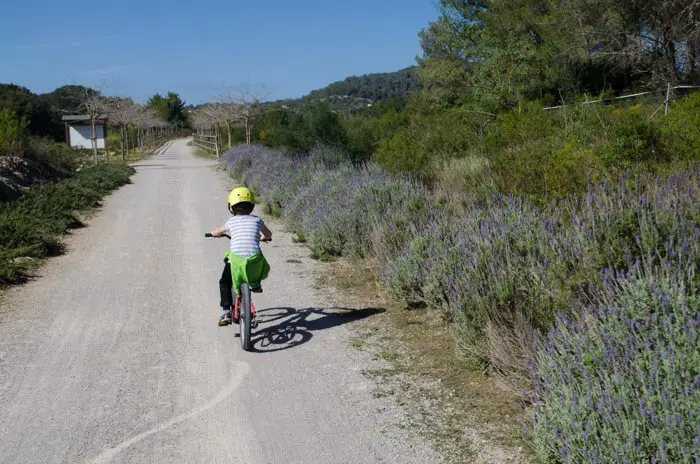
(45,185)
(562,244)
(44,188)
(31,227)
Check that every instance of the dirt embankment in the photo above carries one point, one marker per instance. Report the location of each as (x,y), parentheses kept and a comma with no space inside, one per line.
(18,173)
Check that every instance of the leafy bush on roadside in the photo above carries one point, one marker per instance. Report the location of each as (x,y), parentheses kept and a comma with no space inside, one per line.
(14,132)
(30,227)
(633,138)
(680,127)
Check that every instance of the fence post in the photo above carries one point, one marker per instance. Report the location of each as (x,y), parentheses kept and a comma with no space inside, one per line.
(668,98)
(216,139)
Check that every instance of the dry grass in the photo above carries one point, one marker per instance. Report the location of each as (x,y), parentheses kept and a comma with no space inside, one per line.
(468,178)
(469,416)
(200,153)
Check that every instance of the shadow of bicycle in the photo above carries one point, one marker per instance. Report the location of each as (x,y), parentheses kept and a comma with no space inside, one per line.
(284,328)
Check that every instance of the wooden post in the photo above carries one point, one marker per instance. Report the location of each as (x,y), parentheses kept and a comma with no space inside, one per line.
(121,140)
(668,98)
(94,137)
(217,133)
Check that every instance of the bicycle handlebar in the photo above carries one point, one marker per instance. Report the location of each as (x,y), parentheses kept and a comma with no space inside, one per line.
(209,235)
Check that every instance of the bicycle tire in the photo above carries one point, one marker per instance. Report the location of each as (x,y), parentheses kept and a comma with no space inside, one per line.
(245,318)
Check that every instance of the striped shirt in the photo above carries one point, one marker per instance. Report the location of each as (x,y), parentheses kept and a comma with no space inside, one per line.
(245,234)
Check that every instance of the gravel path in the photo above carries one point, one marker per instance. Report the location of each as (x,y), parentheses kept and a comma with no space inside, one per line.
(114,355)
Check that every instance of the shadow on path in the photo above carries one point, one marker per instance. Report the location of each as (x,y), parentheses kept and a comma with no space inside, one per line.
(284,328)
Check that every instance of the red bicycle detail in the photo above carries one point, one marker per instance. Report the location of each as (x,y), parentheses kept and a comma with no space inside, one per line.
(244,312)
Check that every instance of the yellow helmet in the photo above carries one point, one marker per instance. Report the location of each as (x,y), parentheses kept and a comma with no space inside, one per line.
(239,195)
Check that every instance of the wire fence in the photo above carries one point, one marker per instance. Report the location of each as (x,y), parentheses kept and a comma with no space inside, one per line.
(663,98)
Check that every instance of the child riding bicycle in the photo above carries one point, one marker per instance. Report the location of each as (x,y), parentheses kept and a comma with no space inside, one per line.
(244,261)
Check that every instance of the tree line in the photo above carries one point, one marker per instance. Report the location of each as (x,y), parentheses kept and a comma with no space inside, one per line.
(41,115)
(504,52)
(477,97)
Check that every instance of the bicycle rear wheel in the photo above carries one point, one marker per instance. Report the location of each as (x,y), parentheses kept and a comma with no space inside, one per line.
(245,318)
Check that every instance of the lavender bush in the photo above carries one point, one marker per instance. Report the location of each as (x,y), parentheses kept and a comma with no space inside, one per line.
(620,381)
(337,208)
(618,378)
(505,270)
(506,266)
(270,173)
(612,274)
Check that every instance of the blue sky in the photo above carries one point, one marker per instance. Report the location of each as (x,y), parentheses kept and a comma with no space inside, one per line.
(137,48)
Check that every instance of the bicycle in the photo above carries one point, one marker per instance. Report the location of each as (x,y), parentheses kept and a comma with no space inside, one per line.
(243,309)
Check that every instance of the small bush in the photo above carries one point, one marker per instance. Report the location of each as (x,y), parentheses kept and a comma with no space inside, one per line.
(542,154)
(403,152)
(30,226)
(348,211)
(469,178)
(48,152)
(432,139)
(633,138)
(681,128)
(14,132)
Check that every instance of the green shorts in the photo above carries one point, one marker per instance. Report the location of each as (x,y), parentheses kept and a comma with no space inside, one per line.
(251,271)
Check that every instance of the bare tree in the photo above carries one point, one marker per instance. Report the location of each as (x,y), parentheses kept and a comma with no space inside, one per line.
(93,104)
(246,105)
(124,112)
(151,127)
(228,110)
(146,120)
(204,118)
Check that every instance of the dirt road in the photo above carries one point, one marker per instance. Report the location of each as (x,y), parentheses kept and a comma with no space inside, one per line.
(114,354)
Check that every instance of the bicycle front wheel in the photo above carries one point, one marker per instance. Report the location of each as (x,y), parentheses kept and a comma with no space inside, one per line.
(245,318)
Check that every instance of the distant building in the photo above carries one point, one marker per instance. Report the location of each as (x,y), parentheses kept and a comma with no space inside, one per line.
(79,131)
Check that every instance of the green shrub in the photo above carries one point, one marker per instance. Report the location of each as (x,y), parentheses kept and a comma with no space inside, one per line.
(469,179)
(681,128)
(326,127)
(633,138)
(532,154)
(404,152)
(13,133)
(433,138)
(46,151)
(31,225)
